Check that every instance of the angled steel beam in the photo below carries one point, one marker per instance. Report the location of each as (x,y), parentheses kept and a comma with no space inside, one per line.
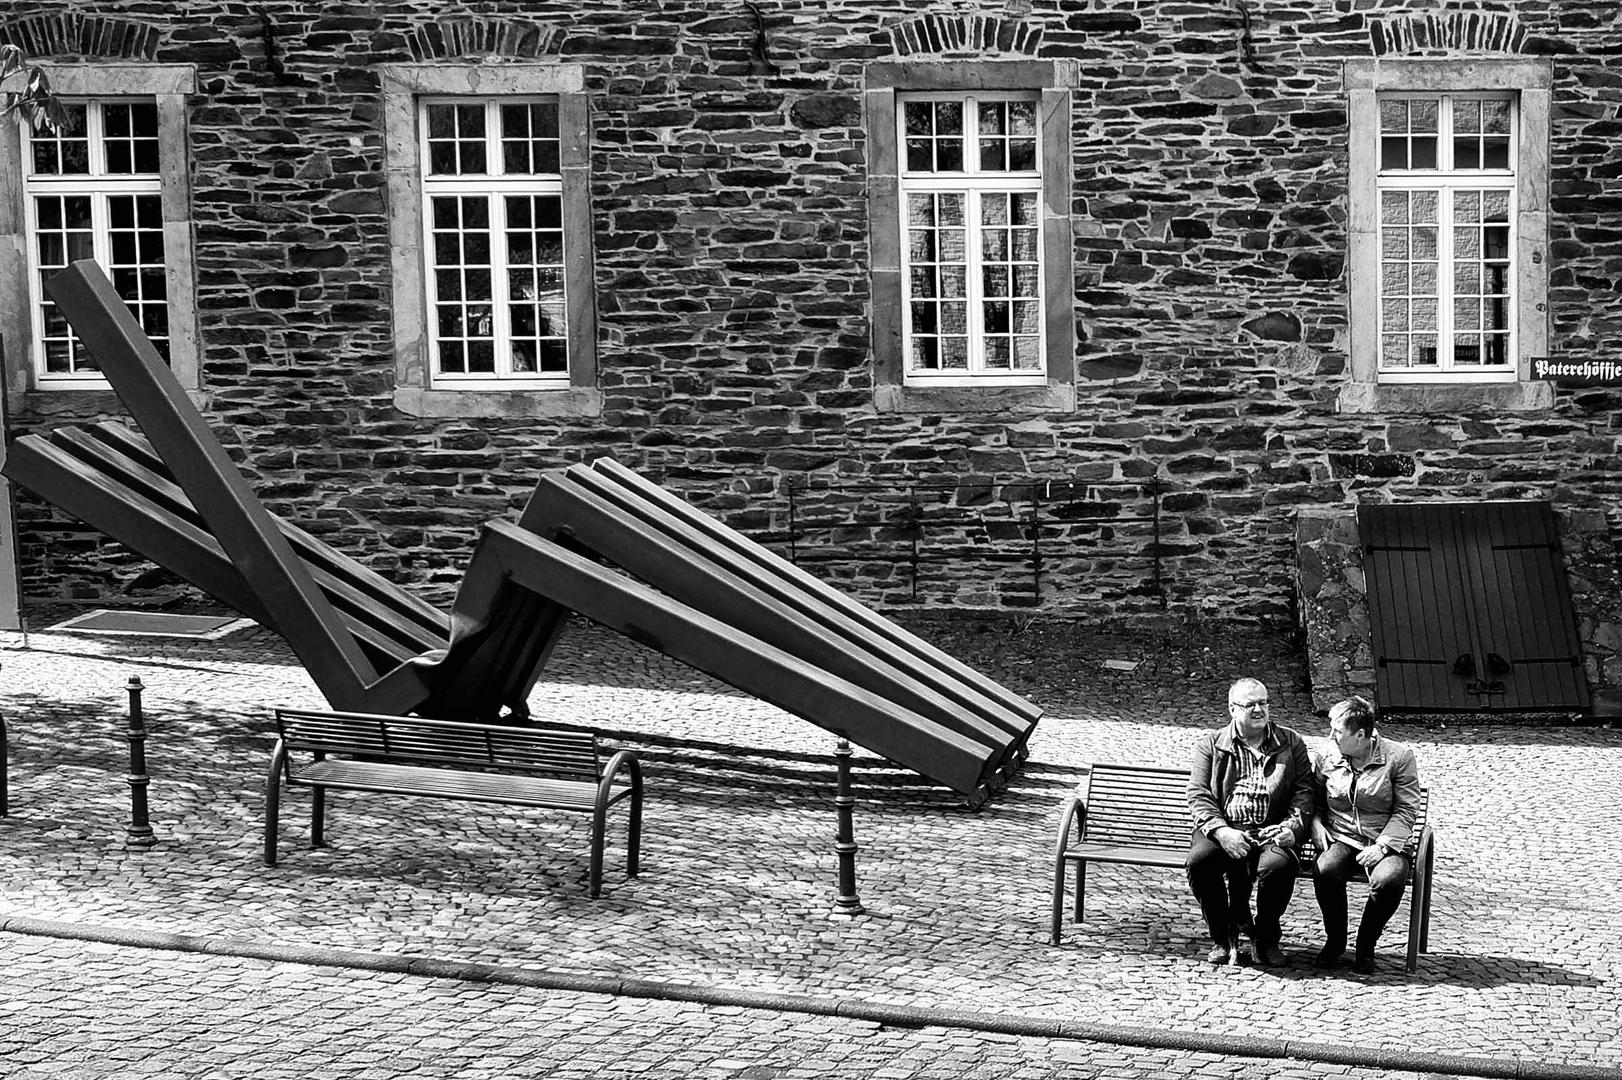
(729,544)
(244,528)
(660,550)
(149,515)
(508,555)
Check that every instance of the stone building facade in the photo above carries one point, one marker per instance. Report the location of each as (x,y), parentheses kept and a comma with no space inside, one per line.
(1150,287)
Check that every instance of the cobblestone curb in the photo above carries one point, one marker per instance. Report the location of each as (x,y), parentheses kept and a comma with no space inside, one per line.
(892,1015)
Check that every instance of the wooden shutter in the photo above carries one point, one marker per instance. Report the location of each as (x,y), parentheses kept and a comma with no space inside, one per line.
(1469,608)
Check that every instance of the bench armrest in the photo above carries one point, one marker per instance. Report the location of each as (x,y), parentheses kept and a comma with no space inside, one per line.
(1072,814)
(605,789)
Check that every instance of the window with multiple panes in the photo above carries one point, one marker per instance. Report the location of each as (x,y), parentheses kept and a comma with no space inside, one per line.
(1447,208)
(494,242)
(93,191)
(971,201)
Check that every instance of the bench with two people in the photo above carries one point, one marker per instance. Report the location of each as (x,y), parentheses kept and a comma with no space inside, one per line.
(1256,810)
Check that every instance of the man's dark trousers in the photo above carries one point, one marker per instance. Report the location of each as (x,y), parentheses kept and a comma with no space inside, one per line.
(1222,886)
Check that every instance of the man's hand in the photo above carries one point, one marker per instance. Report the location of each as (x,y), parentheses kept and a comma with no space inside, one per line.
(1370,856)
(1320,835)
(1235,843)
(1282,835)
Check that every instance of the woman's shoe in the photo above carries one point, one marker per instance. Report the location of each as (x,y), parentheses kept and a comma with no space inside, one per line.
(1363,963)
(1328,957)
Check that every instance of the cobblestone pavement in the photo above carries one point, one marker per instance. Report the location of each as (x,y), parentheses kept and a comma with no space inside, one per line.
(738,866)
(77,1011)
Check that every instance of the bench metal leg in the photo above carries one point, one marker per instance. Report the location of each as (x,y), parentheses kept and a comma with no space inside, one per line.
(5,763)
(1416,905)
(273,800)
(599,821)
(1058,899)
(634,840)
(318,817)
(1081,889)
(1070,814)
(1425,918)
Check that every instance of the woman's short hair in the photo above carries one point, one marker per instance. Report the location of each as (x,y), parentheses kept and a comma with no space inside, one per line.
(1355,713)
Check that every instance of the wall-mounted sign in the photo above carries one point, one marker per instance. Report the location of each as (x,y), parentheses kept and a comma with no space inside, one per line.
(1578,372)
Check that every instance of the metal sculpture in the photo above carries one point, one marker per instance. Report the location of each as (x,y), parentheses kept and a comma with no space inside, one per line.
(702,593)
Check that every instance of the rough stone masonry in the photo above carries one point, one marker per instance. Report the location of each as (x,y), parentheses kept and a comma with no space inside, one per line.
(732,216)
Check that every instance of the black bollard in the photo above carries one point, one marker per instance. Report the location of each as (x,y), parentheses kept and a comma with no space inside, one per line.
(140,832)
(847,902)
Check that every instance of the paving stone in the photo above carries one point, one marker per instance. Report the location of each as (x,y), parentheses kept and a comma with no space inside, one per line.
(738,867)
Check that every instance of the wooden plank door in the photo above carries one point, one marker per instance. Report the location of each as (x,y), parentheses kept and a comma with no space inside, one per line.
(1469,608)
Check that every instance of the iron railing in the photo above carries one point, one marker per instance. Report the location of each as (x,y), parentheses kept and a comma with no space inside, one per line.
(1031,521)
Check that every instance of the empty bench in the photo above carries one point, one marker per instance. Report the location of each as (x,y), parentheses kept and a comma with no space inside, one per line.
(550,768)
(1138,815)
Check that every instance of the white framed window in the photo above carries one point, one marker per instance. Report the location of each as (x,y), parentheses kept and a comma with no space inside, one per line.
(1447,272)
(492,189)
(1447,212)
(94,191)
(971,196)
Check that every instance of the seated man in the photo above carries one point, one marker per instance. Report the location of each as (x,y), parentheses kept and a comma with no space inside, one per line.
(1368,799)
(1251,793)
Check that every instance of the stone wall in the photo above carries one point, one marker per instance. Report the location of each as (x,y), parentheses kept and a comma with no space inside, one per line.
(729,192)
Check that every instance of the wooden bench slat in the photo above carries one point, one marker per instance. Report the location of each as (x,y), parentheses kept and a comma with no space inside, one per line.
(1125,853)
(445,783)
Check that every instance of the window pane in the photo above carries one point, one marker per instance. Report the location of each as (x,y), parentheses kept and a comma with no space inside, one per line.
(1424,153)
(1466,116)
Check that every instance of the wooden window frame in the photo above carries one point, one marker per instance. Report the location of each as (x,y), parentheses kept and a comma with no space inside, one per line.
(415,390)
(1050,82)
(1365,389)
(973,184)
(167,85)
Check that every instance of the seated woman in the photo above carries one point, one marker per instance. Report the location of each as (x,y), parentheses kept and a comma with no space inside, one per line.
(1368,796)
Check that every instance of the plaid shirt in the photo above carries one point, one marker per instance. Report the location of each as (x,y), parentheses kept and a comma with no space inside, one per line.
(1247,805)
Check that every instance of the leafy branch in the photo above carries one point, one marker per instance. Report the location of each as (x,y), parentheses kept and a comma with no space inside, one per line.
(36,100)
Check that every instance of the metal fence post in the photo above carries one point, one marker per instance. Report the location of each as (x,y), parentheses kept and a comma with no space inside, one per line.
(139,830)
(847,902)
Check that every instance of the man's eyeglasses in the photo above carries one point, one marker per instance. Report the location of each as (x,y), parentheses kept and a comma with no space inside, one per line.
(1248,706)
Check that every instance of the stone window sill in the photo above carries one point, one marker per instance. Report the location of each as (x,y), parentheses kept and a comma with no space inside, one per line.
(75,404)
(1055,397)
(1361,397)
(517,404)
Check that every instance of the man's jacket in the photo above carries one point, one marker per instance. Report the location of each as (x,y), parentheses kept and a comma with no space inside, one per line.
(1287,768)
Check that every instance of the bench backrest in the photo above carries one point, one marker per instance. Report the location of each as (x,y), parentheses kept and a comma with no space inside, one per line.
(1147,806)
(411,740)
(1137,806)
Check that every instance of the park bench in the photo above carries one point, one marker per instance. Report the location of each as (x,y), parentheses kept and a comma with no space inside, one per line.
(550,768)
(1138,815)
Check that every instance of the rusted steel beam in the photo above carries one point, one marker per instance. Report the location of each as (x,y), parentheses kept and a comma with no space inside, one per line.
(245,530)
(663,551)
(509,555)
(729,545)
(94,483)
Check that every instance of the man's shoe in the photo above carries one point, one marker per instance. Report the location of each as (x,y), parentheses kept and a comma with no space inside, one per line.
(1271,956)
(1328,957)
(1219,955)
(1363,964)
